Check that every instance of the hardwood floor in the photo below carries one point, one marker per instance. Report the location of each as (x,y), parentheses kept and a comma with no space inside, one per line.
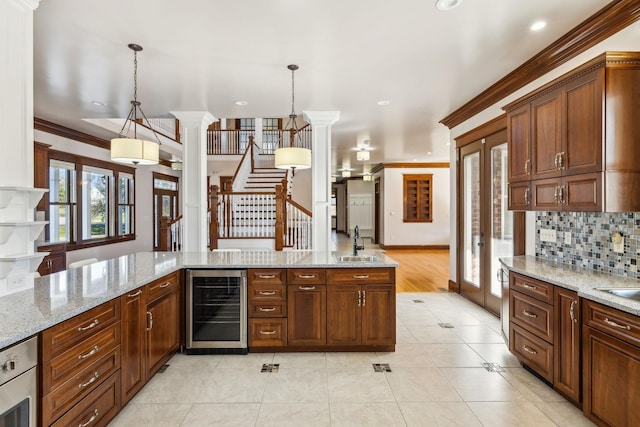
(418,271)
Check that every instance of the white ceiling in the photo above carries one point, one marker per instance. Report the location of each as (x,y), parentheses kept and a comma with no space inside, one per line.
(207,54)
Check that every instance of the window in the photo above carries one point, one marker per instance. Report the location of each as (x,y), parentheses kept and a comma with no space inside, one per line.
(417,198)
(91,202)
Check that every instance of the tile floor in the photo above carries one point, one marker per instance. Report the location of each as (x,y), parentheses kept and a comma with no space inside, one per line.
(437,379)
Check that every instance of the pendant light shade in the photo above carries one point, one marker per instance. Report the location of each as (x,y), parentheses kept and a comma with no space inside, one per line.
(293,158)
(134,150)
(362,155)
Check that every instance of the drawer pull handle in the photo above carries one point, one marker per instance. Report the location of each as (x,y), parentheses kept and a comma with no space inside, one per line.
(307,276)
(267,292)
(359,298)
(529,350)
(267,276)
(89,326)
(149,320)
(165,285)
(93,379)
(307,288)
(135,294)
(360,276)
(267,309)
(572,312)
(524,285)
(93,351)
(267,332)
(529,314)
(616,325)
(92,419)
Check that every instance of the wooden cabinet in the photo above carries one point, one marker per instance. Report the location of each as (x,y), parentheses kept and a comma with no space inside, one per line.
(361,307)
(267,307)
(544,332)
(567,361)
(54,262)
(162,337)
(133,364)
(307,315)
(78,357)
(611,357)
(573,139)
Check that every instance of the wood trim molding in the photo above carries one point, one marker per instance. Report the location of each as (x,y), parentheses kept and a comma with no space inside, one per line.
(453,287)
(603,24)
(412,247)
(482,131)
(409,165)
(66,132)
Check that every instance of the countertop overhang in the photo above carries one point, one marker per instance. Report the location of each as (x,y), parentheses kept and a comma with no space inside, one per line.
(60,296)
(582,280)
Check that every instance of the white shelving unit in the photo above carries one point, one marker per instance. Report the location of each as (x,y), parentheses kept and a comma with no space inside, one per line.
(18,232)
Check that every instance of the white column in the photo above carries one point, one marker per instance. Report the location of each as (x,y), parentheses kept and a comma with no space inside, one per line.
(321,122)
(16,87)
(193,134)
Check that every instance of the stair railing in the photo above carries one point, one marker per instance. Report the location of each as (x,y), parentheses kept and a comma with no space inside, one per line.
(170,234)
(244,169)
(228,141)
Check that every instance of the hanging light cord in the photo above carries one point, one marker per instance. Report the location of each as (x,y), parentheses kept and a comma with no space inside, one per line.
(291,123)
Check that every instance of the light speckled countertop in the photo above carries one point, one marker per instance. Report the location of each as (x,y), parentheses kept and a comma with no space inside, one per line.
(60,296)
(581,280)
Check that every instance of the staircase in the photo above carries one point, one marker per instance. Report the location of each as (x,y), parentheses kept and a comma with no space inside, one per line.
(264,179)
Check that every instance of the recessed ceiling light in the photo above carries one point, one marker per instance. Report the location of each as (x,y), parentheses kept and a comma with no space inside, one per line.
(98,103)
(384,102)
(538,25)
(428,153)
(447,4)
(241,102)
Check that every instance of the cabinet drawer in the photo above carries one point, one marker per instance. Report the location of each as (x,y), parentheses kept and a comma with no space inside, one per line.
(307,276)
(270,276)
(64,397)
(361,276)
(533,315)
(262,293)
(162,286)
(97,408)
(534,288)
(268,332)
(65,335)
(266,309)
(612,321)
(73,361)
(532,351)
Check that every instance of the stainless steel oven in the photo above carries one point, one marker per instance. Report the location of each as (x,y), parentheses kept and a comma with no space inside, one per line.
(18,392)
(216,311)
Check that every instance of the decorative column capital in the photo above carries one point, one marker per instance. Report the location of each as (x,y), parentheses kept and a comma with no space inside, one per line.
(199,118)
(326,118)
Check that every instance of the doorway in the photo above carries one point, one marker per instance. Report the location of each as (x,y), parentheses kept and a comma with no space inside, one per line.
(165,202)
(485,226)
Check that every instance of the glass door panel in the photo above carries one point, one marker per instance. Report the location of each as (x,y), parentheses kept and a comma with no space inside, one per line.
(501,218)
(471,219)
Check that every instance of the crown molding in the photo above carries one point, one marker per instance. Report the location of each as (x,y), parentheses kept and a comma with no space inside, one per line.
(65,132)
(603,24)
(409,165)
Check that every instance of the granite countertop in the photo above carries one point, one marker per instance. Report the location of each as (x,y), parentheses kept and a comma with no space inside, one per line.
(60,296)
(579,279)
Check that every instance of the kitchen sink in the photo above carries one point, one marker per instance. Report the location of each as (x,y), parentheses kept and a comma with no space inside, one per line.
(629,293)
(357,258)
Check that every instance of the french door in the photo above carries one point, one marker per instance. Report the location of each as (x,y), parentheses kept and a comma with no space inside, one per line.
(165,202)
(485,225)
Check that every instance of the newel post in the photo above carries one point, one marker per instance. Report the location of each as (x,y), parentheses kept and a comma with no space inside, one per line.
(213,221)
(165,234)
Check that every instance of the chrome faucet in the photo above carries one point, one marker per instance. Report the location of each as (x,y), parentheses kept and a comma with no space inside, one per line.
(356,235)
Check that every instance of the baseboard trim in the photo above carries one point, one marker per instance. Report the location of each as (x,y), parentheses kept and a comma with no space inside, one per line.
(453,286)
(409,247)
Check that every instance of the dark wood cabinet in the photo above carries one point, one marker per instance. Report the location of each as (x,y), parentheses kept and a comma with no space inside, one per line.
(54,262)
(267,308)
(567,351)
(344,316)
(519,196)
(307,315)
(41,172)
(378,307)
(133,365)
(578,148)
(162,322)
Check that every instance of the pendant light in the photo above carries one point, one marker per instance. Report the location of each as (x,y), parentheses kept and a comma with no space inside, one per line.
(133,150)
(293,157)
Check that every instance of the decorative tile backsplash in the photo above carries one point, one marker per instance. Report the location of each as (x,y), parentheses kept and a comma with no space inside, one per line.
(591,246)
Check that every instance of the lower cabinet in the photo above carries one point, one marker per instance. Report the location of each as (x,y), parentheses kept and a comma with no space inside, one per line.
(611,350)
(162,330)
(567,352)
(133,366)
(307,315)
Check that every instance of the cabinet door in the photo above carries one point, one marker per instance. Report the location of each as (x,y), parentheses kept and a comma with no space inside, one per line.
(582,193)
(344,315)
(546,135)
(132,344)
(307,315)
(378,315)
(567,367)
(546,194)
(582,149)
(519,196)
(162,331)
(518,127)
(611,378)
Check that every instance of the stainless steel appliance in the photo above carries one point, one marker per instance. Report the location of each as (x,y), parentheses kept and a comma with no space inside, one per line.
(503,278)
(18,393)
(216,311)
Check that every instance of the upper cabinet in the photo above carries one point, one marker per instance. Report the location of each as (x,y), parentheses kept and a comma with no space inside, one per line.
(571,142)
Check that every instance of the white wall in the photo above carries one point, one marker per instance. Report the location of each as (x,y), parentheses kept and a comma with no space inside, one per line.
(625,40)
(144,199)
(301,190)
(397,232)
(355,189)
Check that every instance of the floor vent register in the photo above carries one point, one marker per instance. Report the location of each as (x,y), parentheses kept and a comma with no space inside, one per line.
(270,367)
(381,367)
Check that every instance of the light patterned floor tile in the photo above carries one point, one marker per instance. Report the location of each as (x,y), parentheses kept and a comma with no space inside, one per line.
(477,384)
(510,414)
(297,385)
(438,414)
(366,414)
(357,385)
(294,415)
(421,385)
(564,414)
(222,414)
(151,415)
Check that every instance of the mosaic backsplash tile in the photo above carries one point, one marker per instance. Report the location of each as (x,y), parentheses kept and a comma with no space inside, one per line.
(591,246)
